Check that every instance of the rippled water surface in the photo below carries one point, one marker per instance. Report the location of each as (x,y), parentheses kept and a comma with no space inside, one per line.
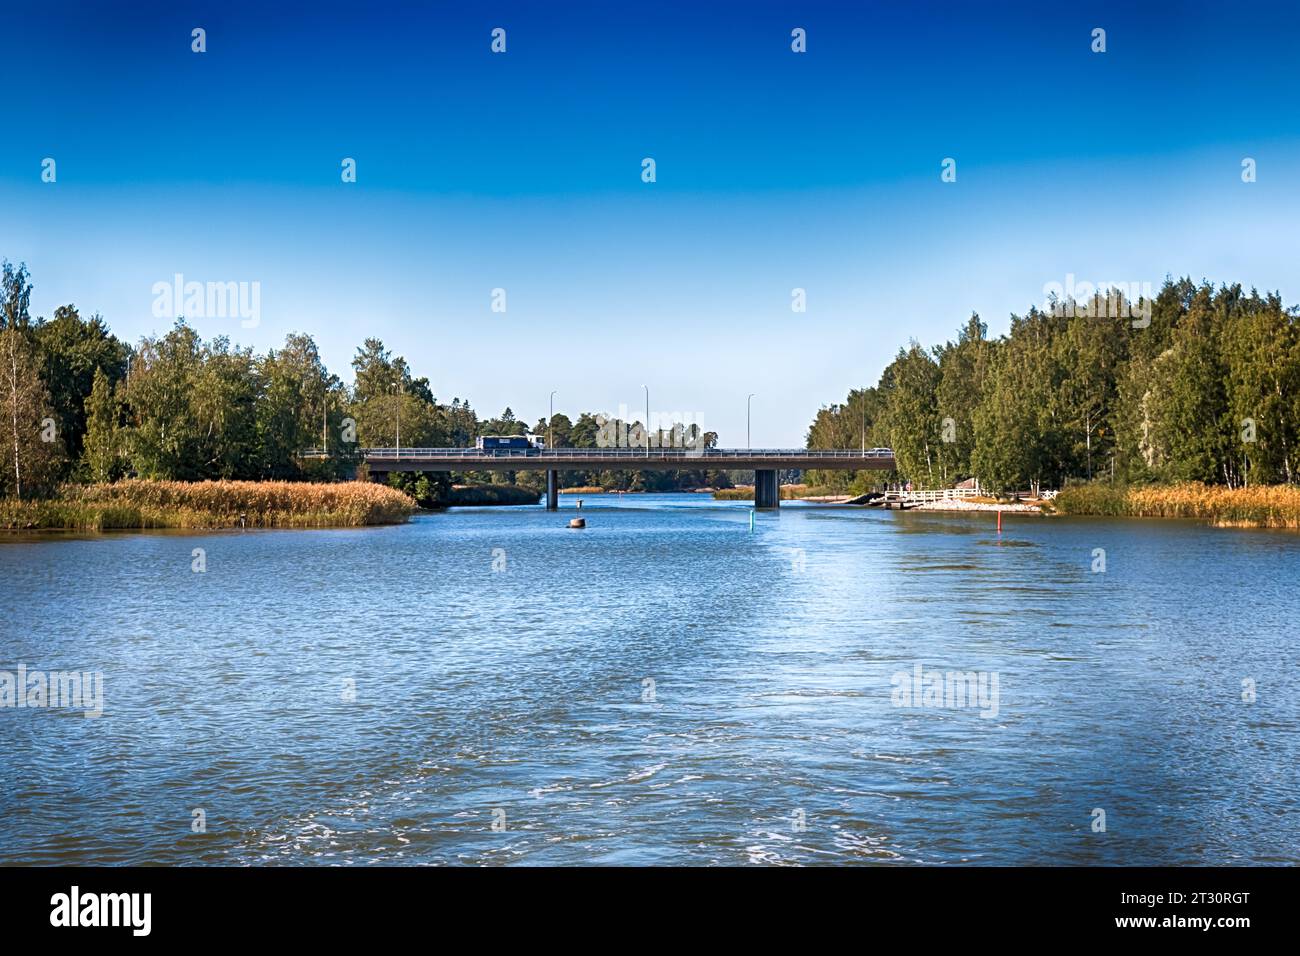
(769,735)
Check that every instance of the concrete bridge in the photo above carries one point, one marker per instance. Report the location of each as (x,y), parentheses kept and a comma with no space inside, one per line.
(765,462)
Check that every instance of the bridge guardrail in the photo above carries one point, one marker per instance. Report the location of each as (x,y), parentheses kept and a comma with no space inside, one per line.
(632,454)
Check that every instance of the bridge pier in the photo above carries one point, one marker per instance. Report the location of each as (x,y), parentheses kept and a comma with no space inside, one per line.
(552,490)
(767,489)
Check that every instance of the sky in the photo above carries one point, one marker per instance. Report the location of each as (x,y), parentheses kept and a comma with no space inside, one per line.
(522,171)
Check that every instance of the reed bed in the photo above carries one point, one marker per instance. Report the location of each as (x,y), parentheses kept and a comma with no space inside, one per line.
(788,492)
(739,493)
(1263,506)
(136,504)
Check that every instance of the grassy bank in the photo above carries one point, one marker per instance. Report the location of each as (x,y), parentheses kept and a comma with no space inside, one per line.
(1265,506)
(209,504)
(491,495)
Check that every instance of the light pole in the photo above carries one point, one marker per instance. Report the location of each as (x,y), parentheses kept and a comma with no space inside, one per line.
(550,419)
(864,422)
(398,390)
(647,420)
(748,446)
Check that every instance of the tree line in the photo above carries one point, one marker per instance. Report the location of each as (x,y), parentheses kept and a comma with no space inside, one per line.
(82,405)
(1198,384)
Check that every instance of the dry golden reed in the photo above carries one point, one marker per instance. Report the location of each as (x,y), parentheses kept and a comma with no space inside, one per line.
(210,504)
(788,492)
(1262,506)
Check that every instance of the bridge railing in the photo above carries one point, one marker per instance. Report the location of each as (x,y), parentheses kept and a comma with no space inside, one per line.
(631,454)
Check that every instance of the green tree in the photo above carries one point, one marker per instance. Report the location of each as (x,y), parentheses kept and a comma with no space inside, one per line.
(585,431)
(1261,350)
(856,423)
(910,416)
(300,405)
(430,489)
(504,424)
(1013,433)
(103,447)
(34,448)
(559,429)
(15,296)
(72,350)
(1134,420)
(163,434)
(224,404)
(387,400)
(462,424)
(1197,433)
(377,373)
(1088,353)
(379,421)
(963,373)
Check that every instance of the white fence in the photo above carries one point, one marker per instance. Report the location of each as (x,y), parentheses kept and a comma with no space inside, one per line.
(941,494)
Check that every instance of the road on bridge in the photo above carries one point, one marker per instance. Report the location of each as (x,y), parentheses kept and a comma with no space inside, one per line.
(764,462)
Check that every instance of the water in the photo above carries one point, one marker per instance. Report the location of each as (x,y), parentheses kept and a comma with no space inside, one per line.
(519,697)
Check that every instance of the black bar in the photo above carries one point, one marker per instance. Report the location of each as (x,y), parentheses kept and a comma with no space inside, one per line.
(967,906)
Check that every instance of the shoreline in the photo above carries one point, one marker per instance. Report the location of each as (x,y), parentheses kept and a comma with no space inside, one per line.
(138,505)
(959,504)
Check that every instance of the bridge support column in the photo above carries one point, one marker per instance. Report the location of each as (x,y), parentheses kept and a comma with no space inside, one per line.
(767,490)
(552,490)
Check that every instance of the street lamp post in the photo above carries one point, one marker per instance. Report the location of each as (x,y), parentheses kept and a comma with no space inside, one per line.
(398,389)
(864,423)
(550,419)
(748,446)
(647,420)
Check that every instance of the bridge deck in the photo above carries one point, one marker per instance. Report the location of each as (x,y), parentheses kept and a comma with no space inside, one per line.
(629,459)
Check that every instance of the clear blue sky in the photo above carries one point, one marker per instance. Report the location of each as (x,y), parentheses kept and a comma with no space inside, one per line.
(522,171)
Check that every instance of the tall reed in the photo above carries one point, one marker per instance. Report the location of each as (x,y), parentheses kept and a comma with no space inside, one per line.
(1261,506)
(210,504)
